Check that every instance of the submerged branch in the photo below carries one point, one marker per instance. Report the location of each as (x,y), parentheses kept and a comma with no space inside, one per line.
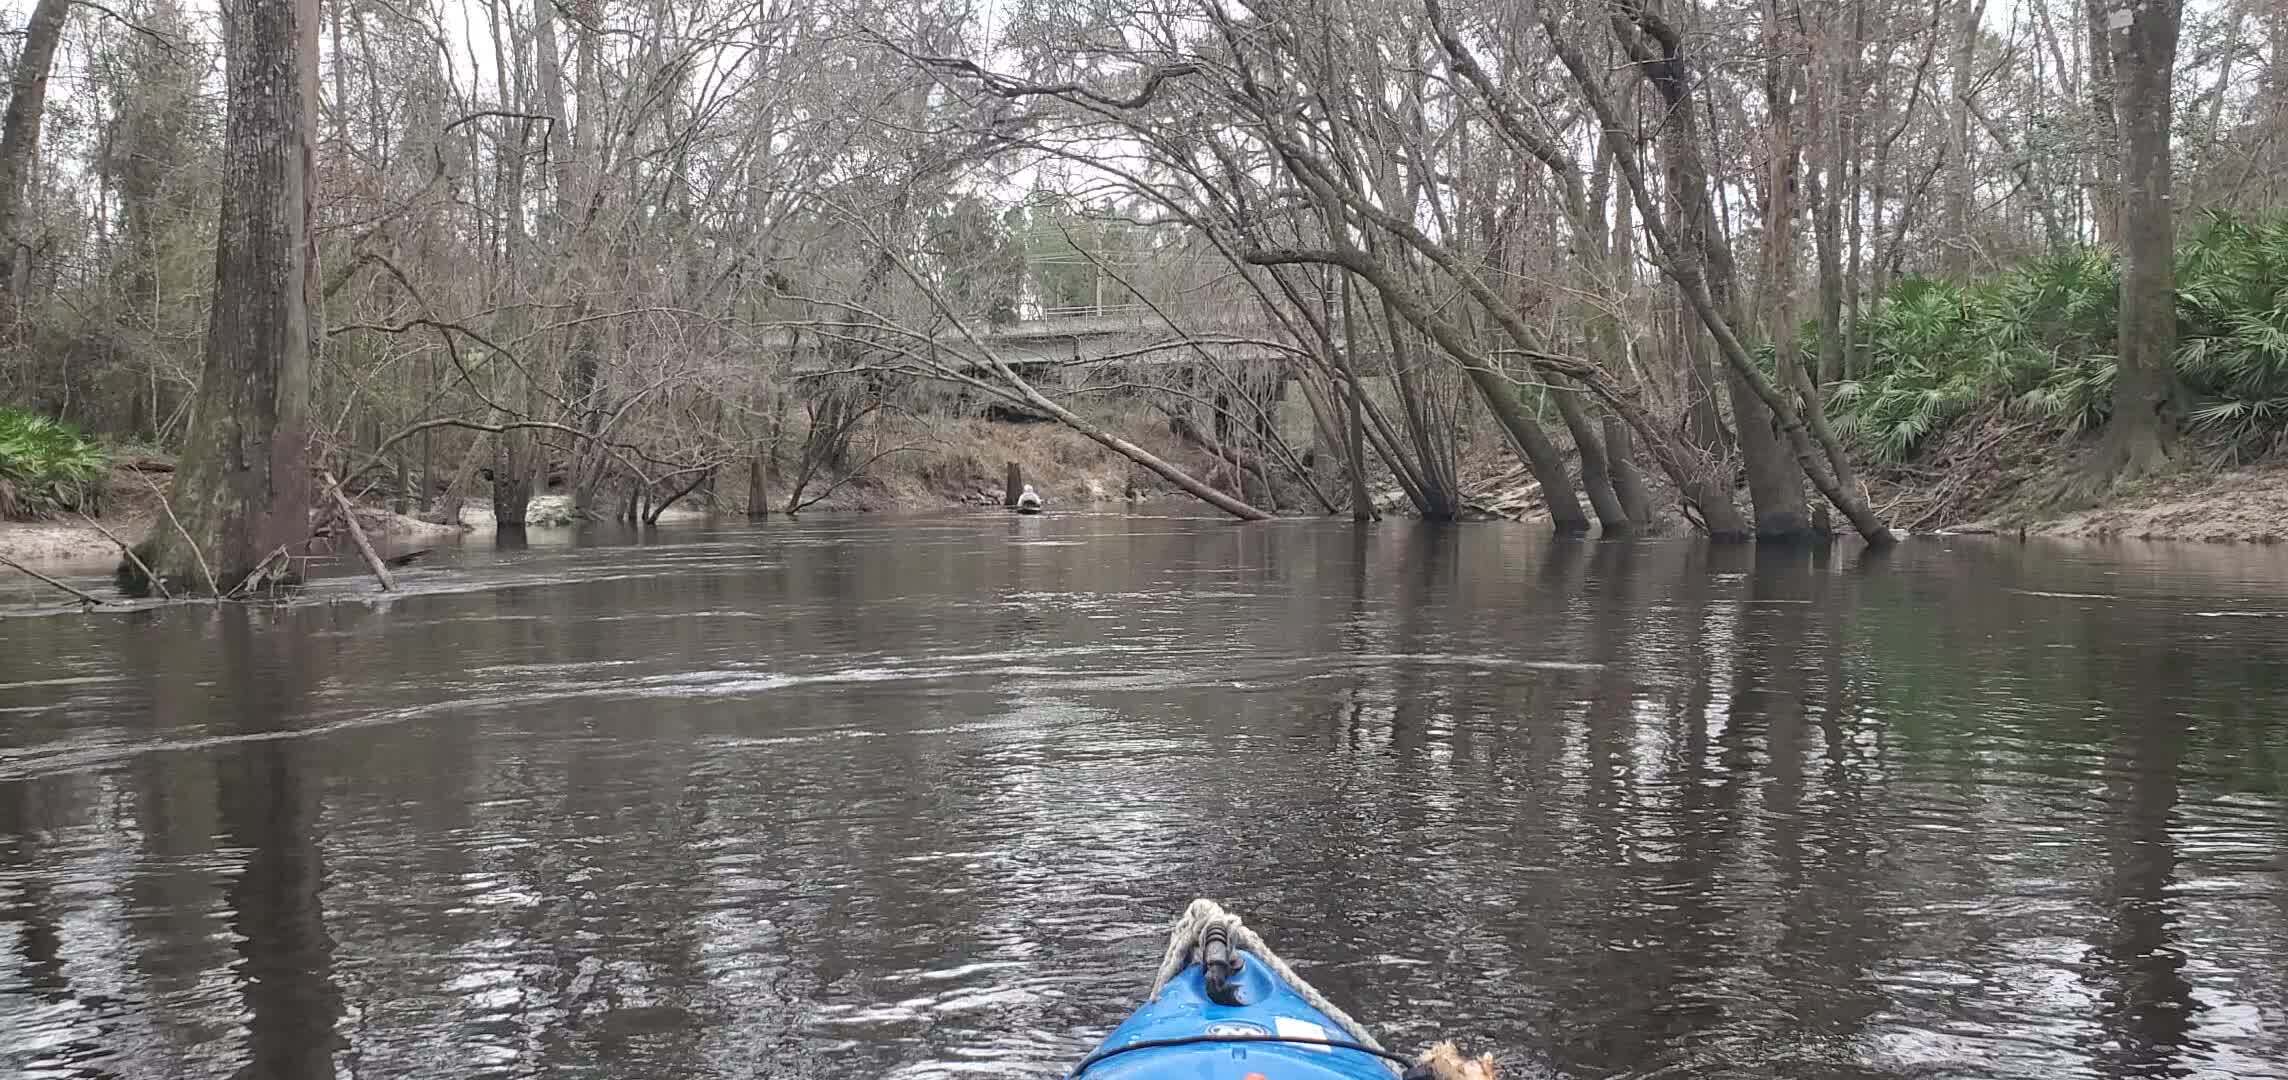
(85,597)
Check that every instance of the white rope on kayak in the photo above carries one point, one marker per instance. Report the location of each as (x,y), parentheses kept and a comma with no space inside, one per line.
(1184,948)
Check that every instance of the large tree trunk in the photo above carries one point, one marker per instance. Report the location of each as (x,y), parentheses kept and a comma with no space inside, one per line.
(20,135)
(243,487)
(2142,35)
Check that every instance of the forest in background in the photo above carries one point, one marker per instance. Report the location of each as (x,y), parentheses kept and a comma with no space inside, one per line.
(1724,255)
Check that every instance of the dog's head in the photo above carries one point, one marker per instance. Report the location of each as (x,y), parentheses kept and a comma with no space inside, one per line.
(1445,1062)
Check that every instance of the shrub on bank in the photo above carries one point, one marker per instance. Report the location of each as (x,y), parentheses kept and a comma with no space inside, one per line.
(2038,341)
(47,467)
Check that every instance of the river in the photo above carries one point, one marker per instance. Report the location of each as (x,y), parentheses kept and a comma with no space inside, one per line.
(908,799)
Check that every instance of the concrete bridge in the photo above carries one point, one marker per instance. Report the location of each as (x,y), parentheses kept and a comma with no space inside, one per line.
(1056,350)
(1127,334)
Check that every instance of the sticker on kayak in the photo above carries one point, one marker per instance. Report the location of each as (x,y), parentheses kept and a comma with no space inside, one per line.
(1292,1028)
(1233,1029)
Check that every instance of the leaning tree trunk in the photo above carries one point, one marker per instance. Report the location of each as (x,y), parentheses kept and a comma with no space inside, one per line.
(20,134)
(2142,36)
(1596,470)
(1775,481)
(1628,484)
(1541,455)
(243,488)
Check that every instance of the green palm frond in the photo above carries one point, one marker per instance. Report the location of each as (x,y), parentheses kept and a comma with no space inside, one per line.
(48,466)
(2039,341)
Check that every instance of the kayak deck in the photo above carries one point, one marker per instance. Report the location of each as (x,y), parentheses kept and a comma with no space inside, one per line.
(1272,1034)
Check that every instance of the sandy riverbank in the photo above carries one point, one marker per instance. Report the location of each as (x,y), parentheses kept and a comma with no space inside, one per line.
(2242,505)
(132,510)
(73,542)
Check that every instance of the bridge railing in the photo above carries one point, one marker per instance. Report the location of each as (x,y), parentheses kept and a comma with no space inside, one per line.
(1085,311)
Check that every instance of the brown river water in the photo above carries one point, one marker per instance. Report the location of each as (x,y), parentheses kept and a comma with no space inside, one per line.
(915,799)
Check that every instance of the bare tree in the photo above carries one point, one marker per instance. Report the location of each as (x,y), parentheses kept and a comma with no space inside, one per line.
(613,249)
(1961,176)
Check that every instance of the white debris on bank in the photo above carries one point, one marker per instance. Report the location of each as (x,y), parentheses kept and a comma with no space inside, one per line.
(553,512)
